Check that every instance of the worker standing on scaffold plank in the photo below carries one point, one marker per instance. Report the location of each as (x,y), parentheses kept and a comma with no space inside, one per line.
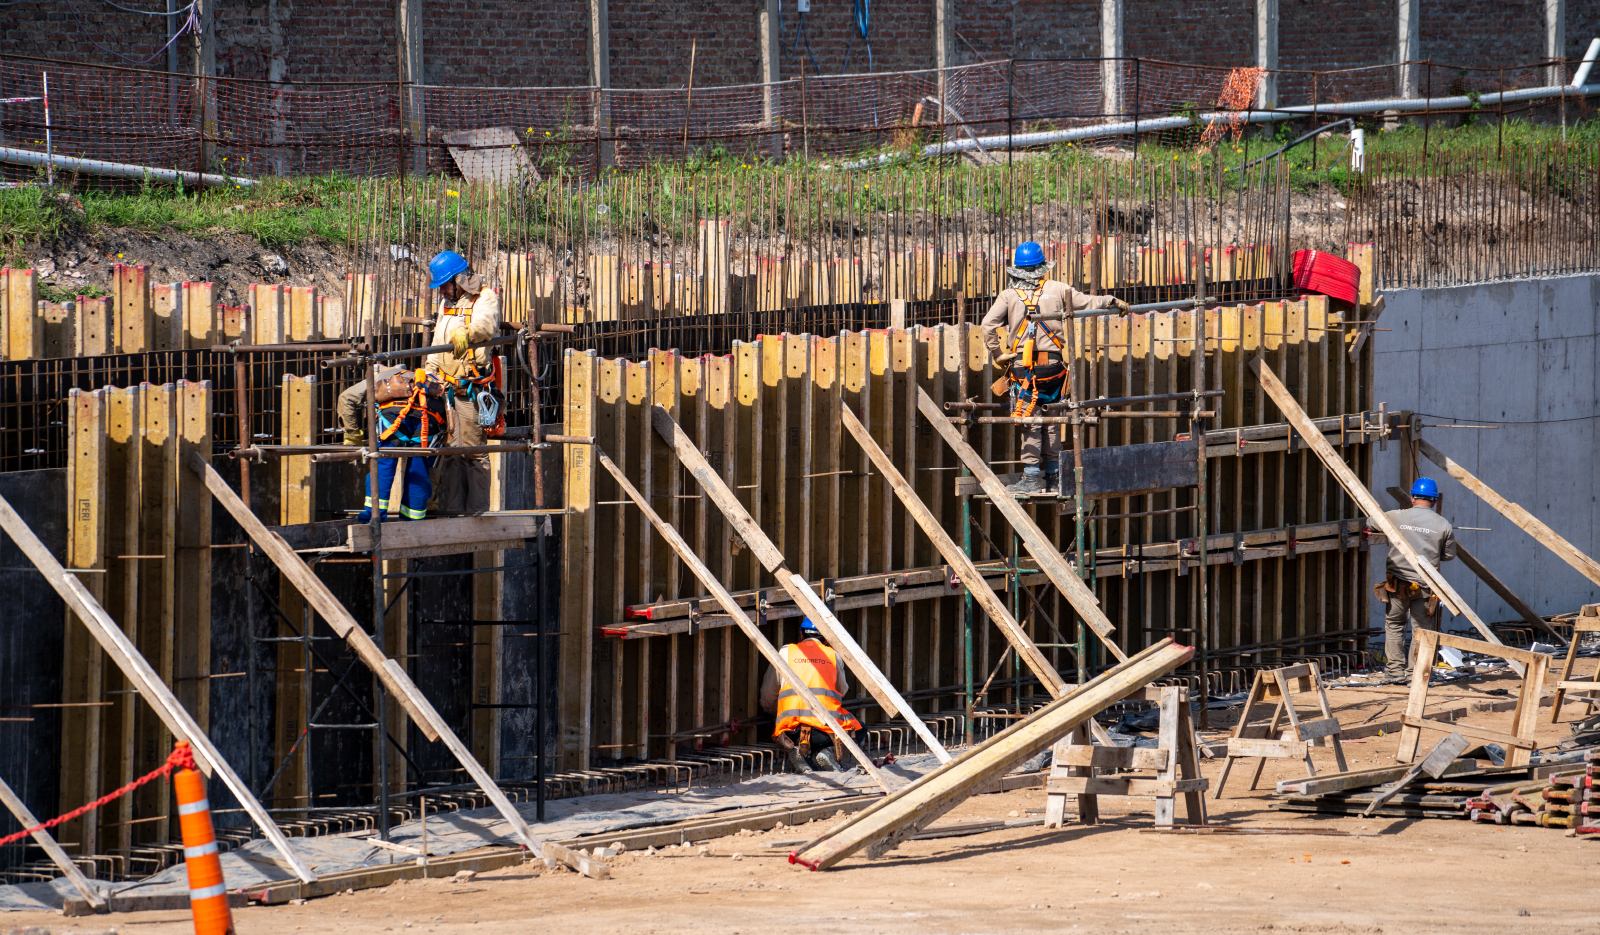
(469,313)
(1032,355)
(412,413)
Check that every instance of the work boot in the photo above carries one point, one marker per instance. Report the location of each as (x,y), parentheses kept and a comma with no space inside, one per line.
(1031,485)
(1052,481)
(827,762)
(797,762)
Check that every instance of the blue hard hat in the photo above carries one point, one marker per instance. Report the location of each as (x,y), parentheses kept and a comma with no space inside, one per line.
(1028,254)
(445,267)
(809,630)
(1425,487)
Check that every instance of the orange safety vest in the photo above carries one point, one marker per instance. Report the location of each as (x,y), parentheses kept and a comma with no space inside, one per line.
(818,666)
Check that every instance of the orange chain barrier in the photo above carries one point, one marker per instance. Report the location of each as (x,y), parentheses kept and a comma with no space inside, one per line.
(180,758)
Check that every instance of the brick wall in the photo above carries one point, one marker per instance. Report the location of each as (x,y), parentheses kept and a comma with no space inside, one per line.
(543,42)
(1219,32)
(1359,32)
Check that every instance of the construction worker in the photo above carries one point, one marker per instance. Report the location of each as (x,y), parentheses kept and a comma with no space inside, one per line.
(1431,536)
(818,666)
(469,313)
(1032,355)
(412,413)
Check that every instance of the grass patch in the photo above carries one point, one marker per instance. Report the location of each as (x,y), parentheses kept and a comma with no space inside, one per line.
(670,196)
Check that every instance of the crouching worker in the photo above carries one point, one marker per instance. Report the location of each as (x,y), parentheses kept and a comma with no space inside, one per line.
(412,413)
(818,666)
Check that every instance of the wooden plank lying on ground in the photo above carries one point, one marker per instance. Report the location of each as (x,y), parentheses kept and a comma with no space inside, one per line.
(910,810)
(764,645)
(1033,538)
(745,526)
(1529,523)
(1366,501)
(144,679)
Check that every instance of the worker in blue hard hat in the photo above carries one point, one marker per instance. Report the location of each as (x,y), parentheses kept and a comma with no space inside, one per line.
(1024,331)
(468,313)
(818,666)
(1406,594)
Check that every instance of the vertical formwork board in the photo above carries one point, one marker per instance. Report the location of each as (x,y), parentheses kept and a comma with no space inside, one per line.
(578,560)
(296,504)
(82,723)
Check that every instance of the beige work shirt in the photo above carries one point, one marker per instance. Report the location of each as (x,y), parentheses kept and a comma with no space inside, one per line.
(1005,315)
(483,325)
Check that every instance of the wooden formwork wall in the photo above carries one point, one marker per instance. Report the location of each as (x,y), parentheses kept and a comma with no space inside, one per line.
(767,418)
(139,529)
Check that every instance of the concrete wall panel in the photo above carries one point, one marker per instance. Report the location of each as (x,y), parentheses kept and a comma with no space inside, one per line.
(1521,355)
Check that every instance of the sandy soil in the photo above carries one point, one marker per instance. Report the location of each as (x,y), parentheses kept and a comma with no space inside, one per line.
(1376,876)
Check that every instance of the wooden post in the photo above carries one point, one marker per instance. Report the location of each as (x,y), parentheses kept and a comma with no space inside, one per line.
(797,588)
(24,338)
(83,668)
(131,298)
(578,557)
(1365,500)
(297,503)
(267,325)
(883,826)
(91,329)
(1033,538)
(116,644)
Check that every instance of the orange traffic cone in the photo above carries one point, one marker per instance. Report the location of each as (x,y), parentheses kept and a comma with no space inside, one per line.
(208,895)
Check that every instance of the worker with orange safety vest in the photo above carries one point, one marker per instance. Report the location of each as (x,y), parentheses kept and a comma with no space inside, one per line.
(818,666)
(412,413)
(1031,354)
(468,314)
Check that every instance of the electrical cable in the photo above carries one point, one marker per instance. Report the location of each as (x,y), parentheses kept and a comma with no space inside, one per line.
(190,24)
(801,36)
(129,9)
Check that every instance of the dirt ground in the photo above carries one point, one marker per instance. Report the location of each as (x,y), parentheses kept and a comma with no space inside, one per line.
(1370,876)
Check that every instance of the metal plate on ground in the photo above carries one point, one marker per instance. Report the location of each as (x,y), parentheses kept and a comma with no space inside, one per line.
(492,154)
(1127,468)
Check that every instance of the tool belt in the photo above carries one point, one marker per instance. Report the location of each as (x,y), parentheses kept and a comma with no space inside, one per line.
(482,390)
(1394,585)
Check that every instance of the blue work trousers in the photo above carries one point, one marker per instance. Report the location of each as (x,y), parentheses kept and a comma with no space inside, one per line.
(416,490)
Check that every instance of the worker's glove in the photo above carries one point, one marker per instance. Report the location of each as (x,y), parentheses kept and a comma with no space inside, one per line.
(458,340)
(357,439)
(1121,306)
(1002,361)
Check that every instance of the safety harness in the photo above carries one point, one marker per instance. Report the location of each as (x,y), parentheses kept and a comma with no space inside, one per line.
(426,402)
(482,390)
(1035,377)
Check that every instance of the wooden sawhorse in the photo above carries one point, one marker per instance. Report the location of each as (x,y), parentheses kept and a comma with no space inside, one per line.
(1265,742)
(1584,687)
(1174,759)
